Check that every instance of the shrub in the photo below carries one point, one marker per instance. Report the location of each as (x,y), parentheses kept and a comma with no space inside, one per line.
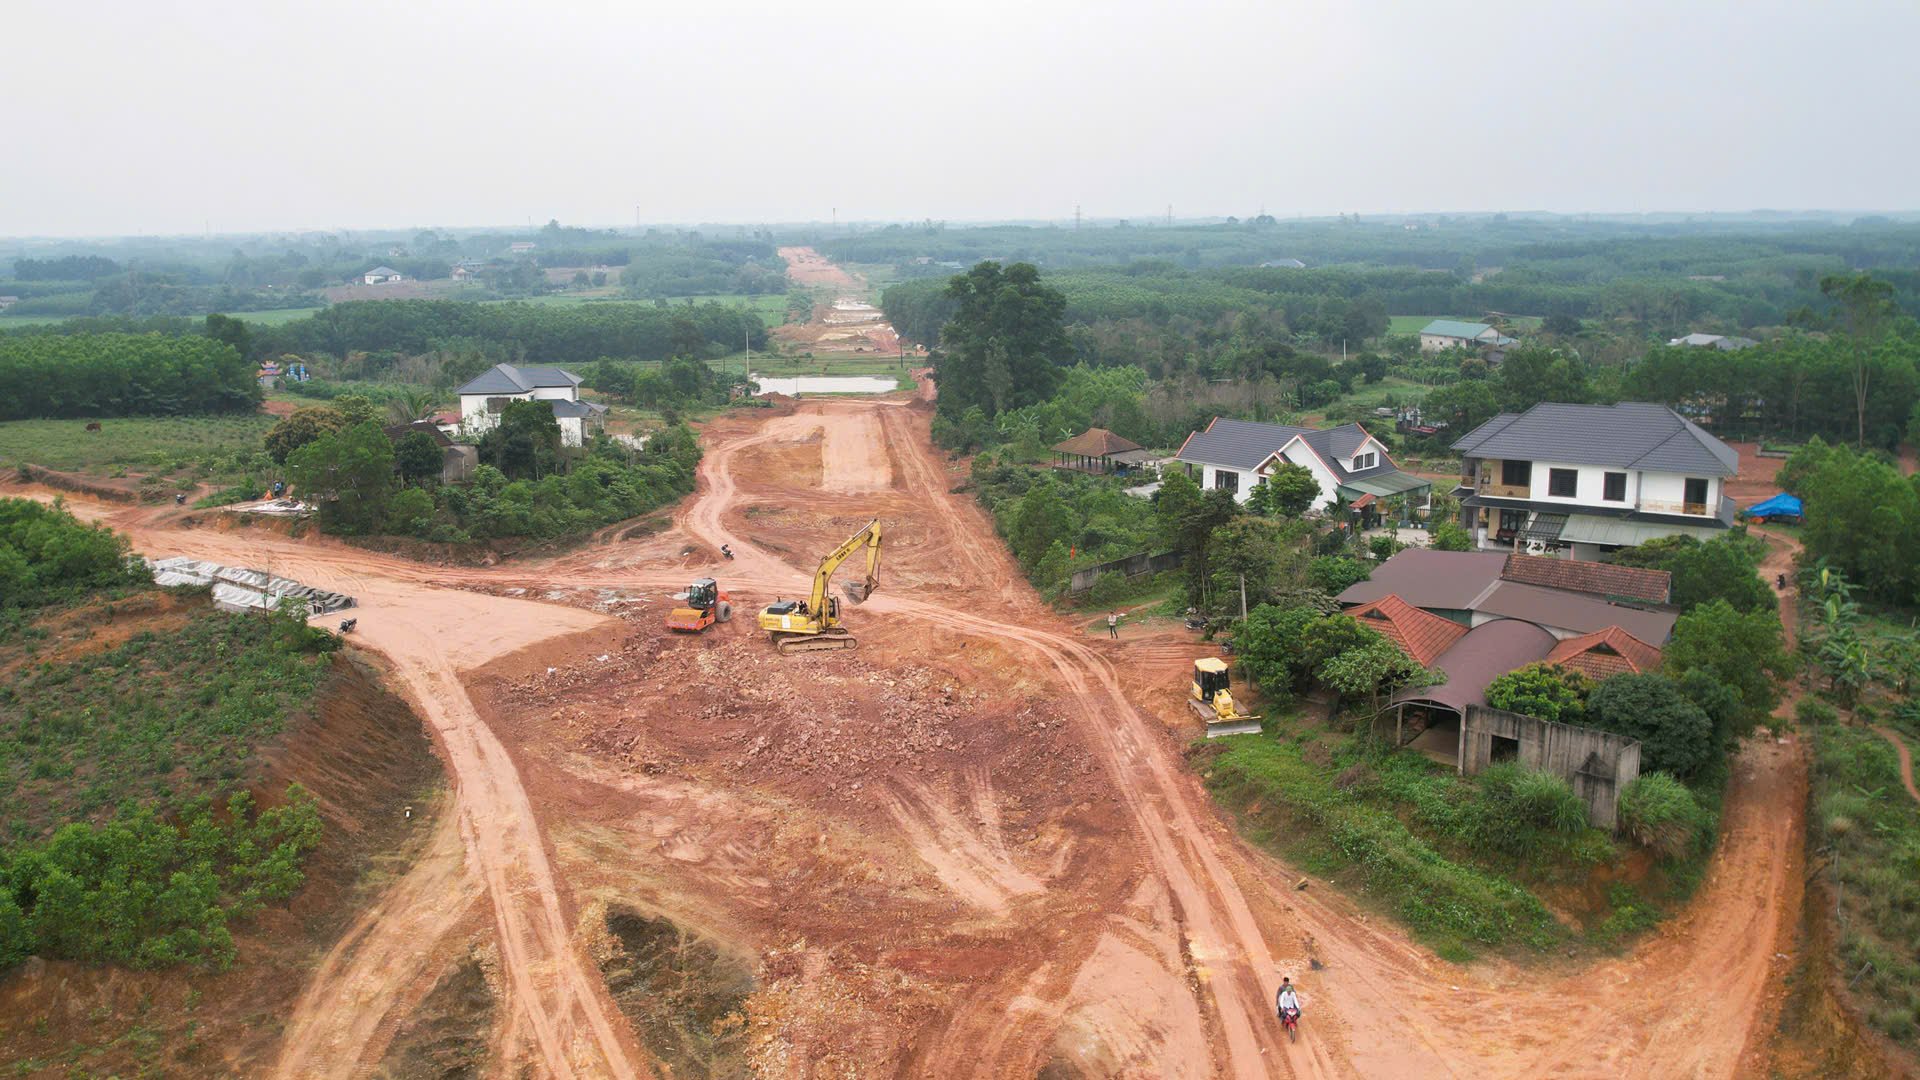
(1812,712)
(1546,691)
(1676,735)
(1451,536)
(1334,573)
(1660,814)
(1522,812)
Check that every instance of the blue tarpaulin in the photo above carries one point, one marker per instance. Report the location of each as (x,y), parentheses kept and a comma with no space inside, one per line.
(1780,506)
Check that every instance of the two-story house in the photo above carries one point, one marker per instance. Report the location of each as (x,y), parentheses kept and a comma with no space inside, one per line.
(1585,479)
(482,400)
(1350,464)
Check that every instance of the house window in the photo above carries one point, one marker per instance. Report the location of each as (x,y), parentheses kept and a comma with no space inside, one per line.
(1226,480)
(1696,496)
(1511,522)
(1563,483)
(1616,487)
(1365,461)
(1516,473)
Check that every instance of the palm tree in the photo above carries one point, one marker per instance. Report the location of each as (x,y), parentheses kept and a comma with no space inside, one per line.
(411,404)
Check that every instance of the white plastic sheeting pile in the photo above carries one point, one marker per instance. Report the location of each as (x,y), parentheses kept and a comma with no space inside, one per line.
(238,588)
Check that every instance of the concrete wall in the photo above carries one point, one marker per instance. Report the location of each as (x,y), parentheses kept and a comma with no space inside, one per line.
(1598,764)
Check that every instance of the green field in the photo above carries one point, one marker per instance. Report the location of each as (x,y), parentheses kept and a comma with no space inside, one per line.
(140,443)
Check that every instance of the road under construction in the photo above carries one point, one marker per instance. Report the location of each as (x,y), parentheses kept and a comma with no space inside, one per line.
(969,848)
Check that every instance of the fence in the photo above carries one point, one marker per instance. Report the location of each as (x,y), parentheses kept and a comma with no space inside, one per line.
(1131,566)
(1597,764)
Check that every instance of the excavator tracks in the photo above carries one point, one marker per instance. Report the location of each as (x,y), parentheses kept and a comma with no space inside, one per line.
(788,645)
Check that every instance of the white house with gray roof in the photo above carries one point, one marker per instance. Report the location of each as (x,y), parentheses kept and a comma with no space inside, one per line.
(1351,465)
(482,400)
(1582,480)
(1442,334)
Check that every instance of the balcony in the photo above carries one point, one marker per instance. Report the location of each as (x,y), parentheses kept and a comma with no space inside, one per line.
(1486,486)
(1663,506)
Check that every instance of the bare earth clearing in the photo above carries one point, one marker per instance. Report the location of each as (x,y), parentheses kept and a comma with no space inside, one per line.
(969,848)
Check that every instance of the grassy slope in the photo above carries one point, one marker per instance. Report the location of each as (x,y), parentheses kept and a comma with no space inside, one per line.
(138,442)
(1873,828)
(168,713)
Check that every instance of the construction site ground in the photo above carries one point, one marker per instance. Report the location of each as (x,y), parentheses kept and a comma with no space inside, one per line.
(969,848)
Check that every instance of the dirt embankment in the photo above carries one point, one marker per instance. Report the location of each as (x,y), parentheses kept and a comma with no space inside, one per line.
(125,491)
(365,757)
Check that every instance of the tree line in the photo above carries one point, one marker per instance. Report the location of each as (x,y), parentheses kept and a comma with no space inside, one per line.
(574,334)
(73,375)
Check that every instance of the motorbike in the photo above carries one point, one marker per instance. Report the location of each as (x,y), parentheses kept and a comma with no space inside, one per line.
(727,551)
(347,625)
(1290,1019)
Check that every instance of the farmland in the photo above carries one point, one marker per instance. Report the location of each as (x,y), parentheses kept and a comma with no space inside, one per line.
(134,443)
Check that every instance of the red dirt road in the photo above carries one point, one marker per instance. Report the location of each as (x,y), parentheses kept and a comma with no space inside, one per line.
(1020,895)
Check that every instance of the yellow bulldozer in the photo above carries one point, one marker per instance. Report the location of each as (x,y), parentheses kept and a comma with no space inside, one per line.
(1212,698)
(814,623)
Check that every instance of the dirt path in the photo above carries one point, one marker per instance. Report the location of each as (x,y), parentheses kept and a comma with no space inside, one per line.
(1906,760)
(382,965)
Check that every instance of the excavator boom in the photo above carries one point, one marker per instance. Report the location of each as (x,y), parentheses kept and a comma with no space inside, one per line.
(816,625)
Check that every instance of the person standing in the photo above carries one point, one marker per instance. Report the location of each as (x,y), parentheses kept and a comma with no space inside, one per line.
(1113,625)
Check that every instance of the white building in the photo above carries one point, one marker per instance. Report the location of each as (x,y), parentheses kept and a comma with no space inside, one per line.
(1350,464)
(1443,334)
(482,400)
(1585,479)
(1722,342)
(382,274)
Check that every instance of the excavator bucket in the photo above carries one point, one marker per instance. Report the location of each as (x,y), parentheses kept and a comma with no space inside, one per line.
(857,591)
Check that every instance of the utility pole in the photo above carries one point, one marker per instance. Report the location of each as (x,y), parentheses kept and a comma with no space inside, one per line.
(1243,596)
(1169,215)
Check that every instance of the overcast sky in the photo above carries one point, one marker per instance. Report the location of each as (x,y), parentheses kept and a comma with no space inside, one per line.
(126,117)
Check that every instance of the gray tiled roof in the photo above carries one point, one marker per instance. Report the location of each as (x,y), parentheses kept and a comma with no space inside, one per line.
(507,379)
(1630,435)
(570,409)
(1237,444)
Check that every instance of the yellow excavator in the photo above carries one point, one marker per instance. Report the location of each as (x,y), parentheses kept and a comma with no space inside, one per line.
(814,623)
(1212,698)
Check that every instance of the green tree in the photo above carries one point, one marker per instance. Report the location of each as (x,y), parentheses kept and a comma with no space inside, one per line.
(410,512)
(1002,347)
(1675,735)
(1372,668)
(1531,374)
(1863,517)
(1451,536)
(1291,489)
(1721,569)
(1546,691)
(300,427)
(1043,519)
(1866,309)
(417,456)
(1336,573)
(1742,651)
(1186,518)
(526,441)
(355,409)
(231,331)
(349,474)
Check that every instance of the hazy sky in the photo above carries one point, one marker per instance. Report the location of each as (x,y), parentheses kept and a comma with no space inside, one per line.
(151,117)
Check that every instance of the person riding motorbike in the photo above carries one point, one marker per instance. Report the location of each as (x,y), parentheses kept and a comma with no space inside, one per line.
(1286,1003)
(727,551)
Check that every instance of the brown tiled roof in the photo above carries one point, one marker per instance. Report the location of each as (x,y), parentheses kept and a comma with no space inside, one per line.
(1606,653)
(1095,442)
(1420,634)
(1600,579)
